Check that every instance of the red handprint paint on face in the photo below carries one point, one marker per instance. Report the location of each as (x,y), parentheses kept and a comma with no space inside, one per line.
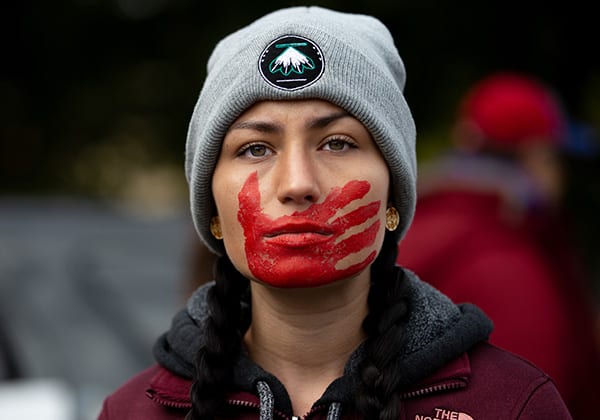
(302,249)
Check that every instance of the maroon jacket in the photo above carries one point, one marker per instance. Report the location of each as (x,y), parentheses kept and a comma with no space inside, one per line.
(444,365)
(460,390)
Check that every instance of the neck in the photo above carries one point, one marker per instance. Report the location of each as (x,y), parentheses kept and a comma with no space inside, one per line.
(305,336)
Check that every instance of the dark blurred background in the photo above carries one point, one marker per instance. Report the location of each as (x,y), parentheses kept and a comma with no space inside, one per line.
(94,90)
(96,96)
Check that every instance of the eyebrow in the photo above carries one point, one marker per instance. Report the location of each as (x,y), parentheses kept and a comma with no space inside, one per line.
(261,126)
(268,127)
(322,122)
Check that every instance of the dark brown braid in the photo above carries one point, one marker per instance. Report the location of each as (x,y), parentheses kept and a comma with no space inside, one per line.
(379,397)
(224,330)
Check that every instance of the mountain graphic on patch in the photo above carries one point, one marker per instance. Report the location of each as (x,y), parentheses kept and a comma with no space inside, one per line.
(291,60)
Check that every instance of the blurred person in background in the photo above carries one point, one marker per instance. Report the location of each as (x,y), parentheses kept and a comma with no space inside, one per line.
(491,229)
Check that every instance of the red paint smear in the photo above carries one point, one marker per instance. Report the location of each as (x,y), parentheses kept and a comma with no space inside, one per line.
(297,265)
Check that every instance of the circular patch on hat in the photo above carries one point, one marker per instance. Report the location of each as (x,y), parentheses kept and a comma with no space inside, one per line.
(291,62)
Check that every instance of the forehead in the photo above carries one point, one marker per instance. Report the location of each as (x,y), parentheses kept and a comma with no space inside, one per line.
(309,114)
(304,106)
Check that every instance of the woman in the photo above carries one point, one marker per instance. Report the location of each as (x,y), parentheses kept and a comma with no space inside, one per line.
(301,164)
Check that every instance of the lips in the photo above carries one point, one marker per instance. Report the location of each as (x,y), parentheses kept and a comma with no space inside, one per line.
(297,232)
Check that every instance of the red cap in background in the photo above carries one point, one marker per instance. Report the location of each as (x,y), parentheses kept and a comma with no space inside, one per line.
(508,110)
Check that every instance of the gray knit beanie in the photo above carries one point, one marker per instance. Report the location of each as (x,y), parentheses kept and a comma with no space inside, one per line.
(299,53)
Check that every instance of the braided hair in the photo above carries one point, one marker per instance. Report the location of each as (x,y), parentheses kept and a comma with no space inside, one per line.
(213,373)
(378,398)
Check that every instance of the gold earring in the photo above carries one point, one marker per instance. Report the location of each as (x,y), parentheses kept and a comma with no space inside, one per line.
(392,218)
(215,227)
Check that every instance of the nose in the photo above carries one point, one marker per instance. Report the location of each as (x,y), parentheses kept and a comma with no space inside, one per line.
(297,177)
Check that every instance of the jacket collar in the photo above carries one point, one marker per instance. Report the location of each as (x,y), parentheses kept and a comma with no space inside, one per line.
(171,390)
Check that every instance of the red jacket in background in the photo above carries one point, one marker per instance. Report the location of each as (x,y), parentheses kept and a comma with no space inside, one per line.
(521,273)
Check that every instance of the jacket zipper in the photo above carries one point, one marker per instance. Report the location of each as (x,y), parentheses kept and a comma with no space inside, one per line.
(310,413)
(242,403)
(448,386)
(168,403)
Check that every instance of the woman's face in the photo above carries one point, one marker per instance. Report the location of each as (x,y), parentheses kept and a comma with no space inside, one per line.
(301,191)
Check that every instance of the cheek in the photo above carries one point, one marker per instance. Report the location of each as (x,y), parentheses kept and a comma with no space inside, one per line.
(233,240)
(233,233)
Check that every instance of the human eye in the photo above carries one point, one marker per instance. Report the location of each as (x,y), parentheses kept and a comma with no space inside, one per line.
(254,150)
(339,144)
